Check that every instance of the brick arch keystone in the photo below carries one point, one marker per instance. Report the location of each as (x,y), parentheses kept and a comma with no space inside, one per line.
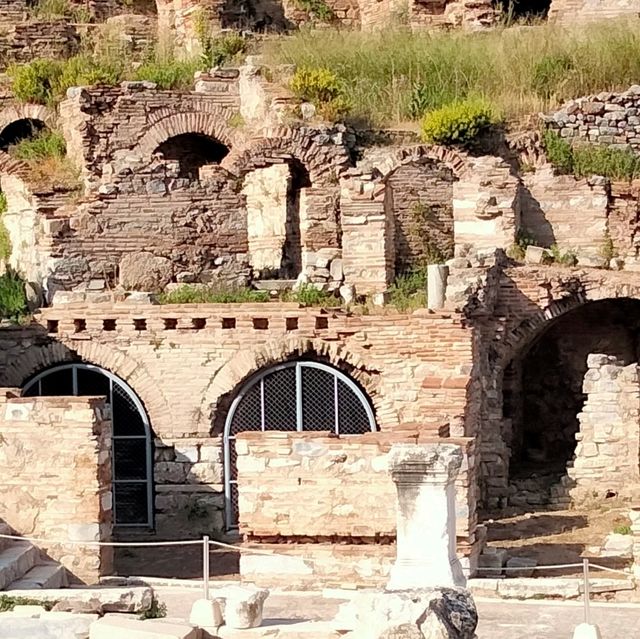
(324,159)
(233,374)
(457,161)
(584,292)
(212,123)
(131,371)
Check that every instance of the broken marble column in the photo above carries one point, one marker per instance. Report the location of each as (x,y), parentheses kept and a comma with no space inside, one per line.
(437,275)
(426,527)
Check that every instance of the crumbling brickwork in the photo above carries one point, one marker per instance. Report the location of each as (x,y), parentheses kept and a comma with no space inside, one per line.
(24,41)
(58,486)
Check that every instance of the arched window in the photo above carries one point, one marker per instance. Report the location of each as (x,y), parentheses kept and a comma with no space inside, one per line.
(294,396)
(131,434)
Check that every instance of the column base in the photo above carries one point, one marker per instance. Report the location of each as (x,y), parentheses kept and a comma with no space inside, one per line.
(407,574)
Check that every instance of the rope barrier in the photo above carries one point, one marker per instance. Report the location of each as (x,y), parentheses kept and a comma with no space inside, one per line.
(116,544)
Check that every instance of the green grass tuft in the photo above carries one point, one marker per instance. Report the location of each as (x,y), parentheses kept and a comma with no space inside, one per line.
(13,300)
(189,294)
(169,74)
(9,602)
(46,144)
(409,291)
(309,295)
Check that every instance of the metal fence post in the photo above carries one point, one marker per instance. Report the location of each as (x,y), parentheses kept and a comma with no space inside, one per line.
(205,566)
(587,594)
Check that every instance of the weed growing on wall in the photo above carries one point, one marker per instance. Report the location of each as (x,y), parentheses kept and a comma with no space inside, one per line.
(309,295)
(564,257)
(409,291)
(9,602)
(157,610)
(13,300)
(5,240)
(518,249)
(586,160)
(189,294)
(317,9)
(169,74)
(458,123)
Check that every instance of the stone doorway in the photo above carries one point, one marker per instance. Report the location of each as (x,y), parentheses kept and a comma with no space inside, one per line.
(545,391)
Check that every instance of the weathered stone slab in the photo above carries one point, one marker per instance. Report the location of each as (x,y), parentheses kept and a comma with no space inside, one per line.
(112,627)
(133,599)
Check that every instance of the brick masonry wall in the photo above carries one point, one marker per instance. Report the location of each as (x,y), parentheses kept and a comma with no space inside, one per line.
(415,368)
(56,477)
(606,118)
(421,201)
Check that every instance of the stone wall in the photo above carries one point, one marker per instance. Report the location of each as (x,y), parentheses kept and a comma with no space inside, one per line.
(570,11)
(609,438)
(606,118)
(24,41)
(56,477)
(420,199)
(624,222)
(549,204)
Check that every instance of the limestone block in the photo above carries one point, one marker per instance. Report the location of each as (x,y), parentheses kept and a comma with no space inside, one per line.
(525,564)
(145,272)
(617,545)
(241,606)
(536,255)
(101,599)
(206,614)
(110,627)
(45,627)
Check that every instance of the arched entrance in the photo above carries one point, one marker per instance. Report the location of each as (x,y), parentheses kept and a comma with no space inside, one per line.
(293,396)
(544,394)
(19,130)
(131,434)
(192,151)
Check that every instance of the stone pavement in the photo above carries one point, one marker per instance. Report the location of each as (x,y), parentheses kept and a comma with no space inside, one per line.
(498,619)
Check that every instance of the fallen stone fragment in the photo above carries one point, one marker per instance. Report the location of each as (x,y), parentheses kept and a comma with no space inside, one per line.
(241,606)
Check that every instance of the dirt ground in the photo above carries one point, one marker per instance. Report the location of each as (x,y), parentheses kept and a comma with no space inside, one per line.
(559,537)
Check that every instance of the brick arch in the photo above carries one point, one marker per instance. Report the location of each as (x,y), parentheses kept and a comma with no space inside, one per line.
(234,373)
(9,166)
(17,112)
(457,161)
(579,294)
(135,374)
(212,123)
(323,159)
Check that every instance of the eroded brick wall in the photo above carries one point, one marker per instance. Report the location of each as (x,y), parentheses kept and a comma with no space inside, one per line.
(24,41)
(570,11)
(56,477)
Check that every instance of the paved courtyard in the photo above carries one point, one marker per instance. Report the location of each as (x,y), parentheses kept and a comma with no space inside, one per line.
(498,619)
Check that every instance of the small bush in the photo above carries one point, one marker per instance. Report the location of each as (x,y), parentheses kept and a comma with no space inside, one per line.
(460,122)
(13,300)
(617,164)
(322,88)
(558,151)
(157,610)
(622,529)
(317,9)
(189,294)
(560,256)
(549,73)
(169,74)
(222,49)
(84,70)
(309,295)
(519,249)
(36,81)
(409,291)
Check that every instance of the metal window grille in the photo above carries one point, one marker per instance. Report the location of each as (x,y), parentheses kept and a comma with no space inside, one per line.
(295,396)
(131,435)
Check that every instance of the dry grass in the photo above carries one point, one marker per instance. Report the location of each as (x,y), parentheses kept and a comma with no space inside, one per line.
(397,76)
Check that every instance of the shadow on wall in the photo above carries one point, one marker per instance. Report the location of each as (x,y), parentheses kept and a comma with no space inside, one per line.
(534,220)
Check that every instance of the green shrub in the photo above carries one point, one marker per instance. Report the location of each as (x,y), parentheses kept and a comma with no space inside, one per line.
(317,9)
(622,529)
(13,300)
(189,294)
(36,81)
(309,295)
(222,49)
(46,144)
(84,70)
(322,88)
(518,250)
(458,123)
(549,73)
(409,291)
(558,150)
(617,164)
(560,256)
(169,74)
(5,240)
(157,610)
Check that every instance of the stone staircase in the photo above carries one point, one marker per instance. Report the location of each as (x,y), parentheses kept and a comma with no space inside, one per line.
(23,568)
